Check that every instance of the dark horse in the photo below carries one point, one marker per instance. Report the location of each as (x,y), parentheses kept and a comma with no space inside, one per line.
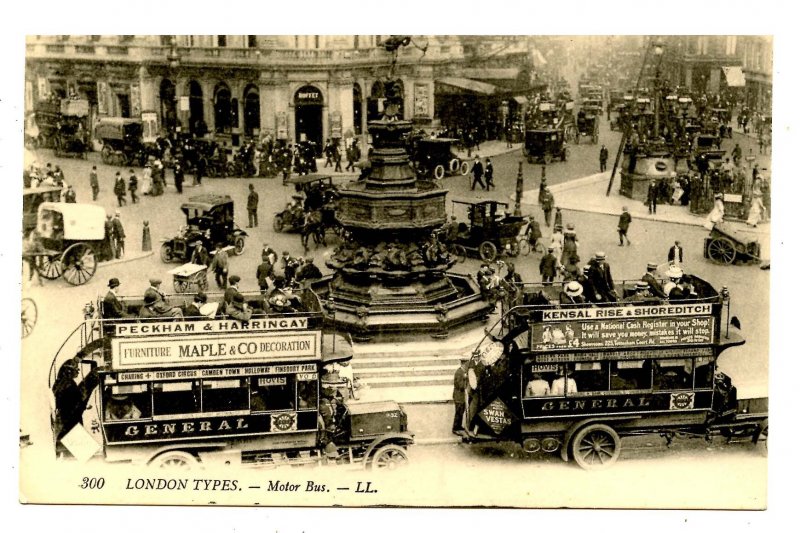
(313,227)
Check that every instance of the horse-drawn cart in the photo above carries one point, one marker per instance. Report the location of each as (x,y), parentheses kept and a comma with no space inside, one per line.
(184,276)
(726,244)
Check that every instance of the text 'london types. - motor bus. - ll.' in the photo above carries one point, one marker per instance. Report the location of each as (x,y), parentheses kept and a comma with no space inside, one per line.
(575,378)
(218,391)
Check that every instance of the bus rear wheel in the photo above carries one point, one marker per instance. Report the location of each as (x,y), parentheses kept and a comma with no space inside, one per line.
(595,446)
(174,460)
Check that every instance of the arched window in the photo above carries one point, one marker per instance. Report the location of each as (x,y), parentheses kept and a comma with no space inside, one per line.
(252,111)
(358,98)
(197,124)
(166,93)
(222,108)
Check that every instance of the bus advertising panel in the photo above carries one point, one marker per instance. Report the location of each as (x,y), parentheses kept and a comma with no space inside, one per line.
(623,327)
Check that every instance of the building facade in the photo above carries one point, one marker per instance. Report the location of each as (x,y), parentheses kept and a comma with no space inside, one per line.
(290,87)
(756,55)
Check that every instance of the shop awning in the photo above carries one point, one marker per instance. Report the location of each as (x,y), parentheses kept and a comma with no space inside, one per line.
(734,76)
(469,85)
(490,73)
(521,100)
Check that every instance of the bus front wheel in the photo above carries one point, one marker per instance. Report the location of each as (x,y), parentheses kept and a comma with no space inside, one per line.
(595,446)
(174,460)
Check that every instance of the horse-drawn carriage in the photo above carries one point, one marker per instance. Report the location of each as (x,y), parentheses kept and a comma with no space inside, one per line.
(68,242)
(312,211)
(726,244)
(123,142)
(545,145)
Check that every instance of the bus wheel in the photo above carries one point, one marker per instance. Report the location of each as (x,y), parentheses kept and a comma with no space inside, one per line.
(595,446)
(175,460)
(389,457)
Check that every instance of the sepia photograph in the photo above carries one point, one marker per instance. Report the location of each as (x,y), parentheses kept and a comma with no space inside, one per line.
(437,270)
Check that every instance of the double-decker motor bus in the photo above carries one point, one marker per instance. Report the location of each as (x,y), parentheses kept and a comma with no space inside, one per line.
(256,392)
(575,378)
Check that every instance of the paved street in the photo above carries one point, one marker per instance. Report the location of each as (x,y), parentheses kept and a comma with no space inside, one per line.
(61,305)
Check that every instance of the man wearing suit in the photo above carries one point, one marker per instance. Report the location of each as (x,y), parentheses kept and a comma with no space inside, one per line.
(113,306)
(232,290)
(548,266)
(459,399)
(156,301)
(675,255)
(600,276)
(652,282)
(193,309)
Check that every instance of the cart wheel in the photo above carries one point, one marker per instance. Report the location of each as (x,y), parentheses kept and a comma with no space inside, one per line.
(180,285)
(438,172)
(488,251)
(389,457)
(166,253)
(80,263)
(524,247)
(29,315)
(595,446)
(202,283)
(454,165)
(49,267)
(174,460)
(460,252)
(277,223)
(722,250)
(238,245)
(464,168)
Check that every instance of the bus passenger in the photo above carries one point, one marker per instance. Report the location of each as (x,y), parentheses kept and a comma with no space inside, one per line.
(674,274)
(238,308)
(652,282)
(600,276)
(537,386)
(572,294)
(121,407)
(563,384)
(642,296)
(153,308)
(193,309)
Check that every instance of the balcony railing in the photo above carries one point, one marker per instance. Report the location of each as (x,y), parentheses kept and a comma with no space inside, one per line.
(197,55)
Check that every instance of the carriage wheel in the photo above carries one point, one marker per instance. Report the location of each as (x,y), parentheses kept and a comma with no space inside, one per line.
(277,223)
(49,267)
(166,253)
(180,285)
(464,168)
(438,172)
(238,245)
(460,253)
(79,263)
(595,446)
(488,251)
(29,315)
(524,247)
(722,250)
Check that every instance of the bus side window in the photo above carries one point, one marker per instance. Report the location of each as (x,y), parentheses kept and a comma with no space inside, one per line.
(671,374)
(272,393)
(307,394)
(126,402)
(703,372)
(176,397)
(591,376)
(630,375)
(225,395)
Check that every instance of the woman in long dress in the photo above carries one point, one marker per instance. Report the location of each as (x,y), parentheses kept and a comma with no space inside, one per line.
(717,213)
(756,210)
(147,179)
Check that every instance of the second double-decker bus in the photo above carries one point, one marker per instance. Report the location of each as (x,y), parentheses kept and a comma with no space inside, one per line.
(576,378)
(176,393)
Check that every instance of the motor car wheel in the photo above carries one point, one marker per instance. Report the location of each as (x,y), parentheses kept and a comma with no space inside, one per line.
(238,245)
(166,253)
(464,168)
(438,172)
(488,251)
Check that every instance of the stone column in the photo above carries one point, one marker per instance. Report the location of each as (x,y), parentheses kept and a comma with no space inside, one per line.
(713,82)
(208,105)
(148,93)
